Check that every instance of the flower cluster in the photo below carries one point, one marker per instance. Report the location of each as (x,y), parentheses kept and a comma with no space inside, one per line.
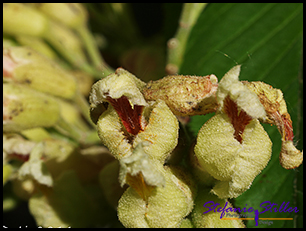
(141,134)
(137,122)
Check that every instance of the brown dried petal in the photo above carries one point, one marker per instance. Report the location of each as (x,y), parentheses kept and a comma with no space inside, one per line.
(276,109)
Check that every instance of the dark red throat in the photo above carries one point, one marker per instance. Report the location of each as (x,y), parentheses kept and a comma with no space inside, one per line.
(21,157)
(130,117)
(288,128)
(239,119)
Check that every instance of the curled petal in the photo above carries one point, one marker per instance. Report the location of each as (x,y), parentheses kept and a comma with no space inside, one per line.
(276,109)
(140,163)
(290,157)
(247,100)
(121,83)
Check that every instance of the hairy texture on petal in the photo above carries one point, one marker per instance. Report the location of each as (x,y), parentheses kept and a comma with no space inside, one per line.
(121,83)
(247,100)
(165,206)
(185,95)
(234,164)
(276,109)
(271,98)
(139,165)
(161,132)
(290,157)
(112,135)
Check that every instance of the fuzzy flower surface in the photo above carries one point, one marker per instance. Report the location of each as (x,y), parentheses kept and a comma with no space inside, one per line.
(232,146)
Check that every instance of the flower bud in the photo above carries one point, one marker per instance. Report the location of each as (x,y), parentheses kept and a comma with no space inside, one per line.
(67,43)
(35,134)
(185,95)
(37,44)
(25,108)
(25,66)
(75,13)
(19,19)
(232,146)
(76,17)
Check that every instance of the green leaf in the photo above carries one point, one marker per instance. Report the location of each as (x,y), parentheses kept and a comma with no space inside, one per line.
(266,38)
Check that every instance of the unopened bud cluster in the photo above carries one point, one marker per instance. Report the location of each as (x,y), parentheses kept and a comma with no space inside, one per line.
(52,155)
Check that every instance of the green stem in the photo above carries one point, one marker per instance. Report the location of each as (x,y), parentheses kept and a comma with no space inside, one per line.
(89,137)
(84,107)
(69,130)
(60,39)
(177,45)
(93,51)
(90,70)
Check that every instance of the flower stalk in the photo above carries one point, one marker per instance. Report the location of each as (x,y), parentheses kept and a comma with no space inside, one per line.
(176,45)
